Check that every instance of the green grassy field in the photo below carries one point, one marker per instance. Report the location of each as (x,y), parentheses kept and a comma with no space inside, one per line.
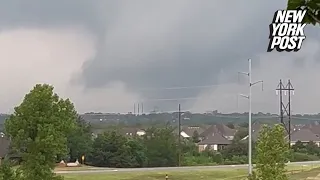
(183,175)
(295,173)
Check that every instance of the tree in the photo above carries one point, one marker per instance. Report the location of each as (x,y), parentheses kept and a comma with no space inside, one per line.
(80,140)
(38,129)
(230,125)
(195,137)
(161,147)
(312,148)
(240,134)
(270,162)
(235,149)
(115,150)
(244,125)
(7,172)
(298,146)
(313,9)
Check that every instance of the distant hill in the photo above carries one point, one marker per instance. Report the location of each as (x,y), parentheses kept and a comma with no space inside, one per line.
(187,118)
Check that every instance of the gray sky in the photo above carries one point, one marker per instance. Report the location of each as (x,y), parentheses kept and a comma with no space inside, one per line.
(104,55)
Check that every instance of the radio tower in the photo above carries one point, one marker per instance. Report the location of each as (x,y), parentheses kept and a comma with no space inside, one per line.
(285,108)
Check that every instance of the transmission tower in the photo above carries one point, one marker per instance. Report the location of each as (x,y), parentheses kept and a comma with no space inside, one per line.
(285,108)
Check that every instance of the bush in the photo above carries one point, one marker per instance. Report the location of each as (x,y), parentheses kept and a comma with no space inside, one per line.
(297,156)
(6,171)
(229,162)
(198,160)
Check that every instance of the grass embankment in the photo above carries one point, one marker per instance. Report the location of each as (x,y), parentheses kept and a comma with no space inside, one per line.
(295,173)
(305,174)
(174,175)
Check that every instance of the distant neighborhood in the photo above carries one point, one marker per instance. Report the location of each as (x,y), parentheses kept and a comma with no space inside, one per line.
(214,131)
(217,136)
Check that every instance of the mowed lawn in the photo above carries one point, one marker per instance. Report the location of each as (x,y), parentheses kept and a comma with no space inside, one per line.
(174,175)
(295,173)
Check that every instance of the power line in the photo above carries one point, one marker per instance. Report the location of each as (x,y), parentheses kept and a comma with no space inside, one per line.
(183,99)
(197,97)
(184,87)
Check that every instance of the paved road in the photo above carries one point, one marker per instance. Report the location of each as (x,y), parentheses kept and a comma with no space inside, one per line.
(188,168)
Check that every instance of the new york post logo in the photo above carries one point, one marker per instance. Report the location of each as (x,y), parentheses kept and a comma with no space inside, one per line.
(287,31)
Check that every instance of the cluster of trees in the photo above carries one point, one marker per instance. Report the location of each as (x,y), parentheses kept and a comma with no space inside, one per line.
(159,147)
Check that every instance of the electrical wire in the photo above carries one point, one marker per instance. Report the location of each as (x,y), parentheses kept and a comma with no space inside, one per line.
(184,87)
(189,98)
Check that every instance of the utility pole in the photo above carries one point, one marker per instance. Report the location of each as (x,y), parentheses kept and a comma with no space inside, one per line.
(285,108)
(249,97)
(179,136)
(290,88)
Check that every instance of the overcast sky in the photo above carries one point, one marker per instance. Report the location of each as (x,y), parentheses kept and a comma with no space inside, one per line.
(106,55)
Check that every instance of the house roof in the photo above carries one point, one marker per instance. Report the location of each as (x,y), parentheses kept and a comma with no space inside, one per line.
(212,129)
(189,130)
(218,128)
(225,130)
(256,128)
(214,138)
(304,135)
(313,127)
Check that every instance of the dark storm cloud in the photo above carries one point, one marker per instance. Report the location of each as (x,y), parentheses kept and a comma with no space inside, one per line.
(193,52)
(156,43)
(57,13)
(198,47)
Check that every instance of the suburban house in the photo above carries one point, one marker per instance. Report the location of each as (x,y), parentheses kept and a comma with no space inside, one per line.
(304,135)
(226,131)
(216,137)
(214,141)
(256,128)
(300,133)
(315,128)
(222,129)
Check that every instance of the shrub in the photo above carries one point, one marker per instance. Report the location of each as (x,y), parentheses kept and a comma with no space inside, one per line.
(297,156)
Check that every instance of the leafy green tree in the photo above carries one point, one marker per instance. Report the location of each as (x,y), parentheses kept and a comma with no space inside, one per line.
(7,172)
(80,140)
(235,149)
(137,151)
(298,146)
(272,154)
(312,7)
(189,148)
(161,146)
(312,148)
(240,134)
(38,129)
(112,149)
(195,137)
